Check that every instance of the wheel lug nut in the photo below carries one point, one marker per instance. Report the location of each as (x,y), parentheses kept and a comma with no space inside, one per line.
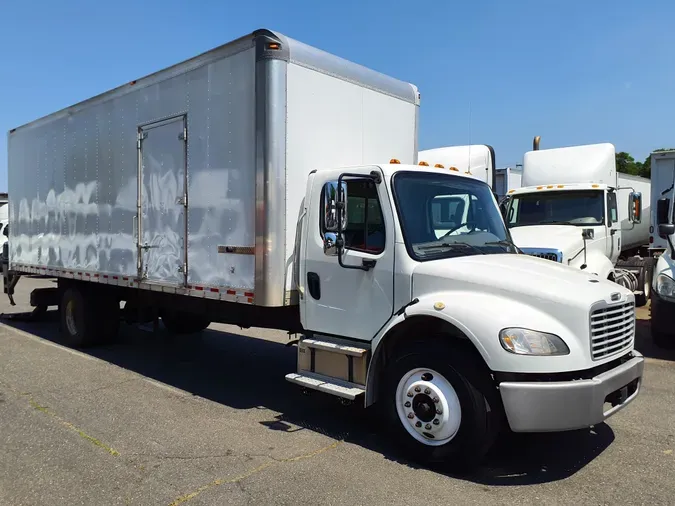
(439,411)
(411,415)
(410,394)
(428,426)
(418,424)
(437,421)
(435,399)
(427,391)
(407,404)
(418,389)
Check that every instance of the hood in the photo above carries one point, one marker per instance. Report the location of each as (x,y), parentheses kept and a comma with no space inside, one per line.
(565,238)
(542,283)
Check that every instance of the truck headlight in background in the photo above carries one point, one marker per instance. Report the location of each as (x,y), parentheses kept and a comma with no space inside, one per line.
(531,342)
(665,286)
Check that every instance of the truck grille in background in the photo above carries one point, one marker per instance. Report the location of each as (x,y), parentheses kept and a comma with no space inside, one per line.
(612,330)
(550,254)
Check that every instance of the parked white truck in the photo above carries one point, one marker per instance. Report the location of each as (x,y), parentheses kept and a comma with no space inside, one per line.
(663,221)
(575,208)
(246,186)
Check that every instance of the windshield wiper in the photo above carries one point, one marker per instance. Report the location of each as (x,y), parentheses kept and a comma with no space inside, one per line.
(554,222)
(450,245)
(505,242)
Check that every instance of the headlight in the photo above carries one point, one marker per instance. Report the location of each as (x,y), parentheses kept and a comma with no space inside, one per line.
(531,342)
(665,286)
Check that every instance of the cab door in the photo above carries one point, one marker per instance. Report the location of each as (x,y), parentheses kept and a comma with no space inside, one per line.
(350,293)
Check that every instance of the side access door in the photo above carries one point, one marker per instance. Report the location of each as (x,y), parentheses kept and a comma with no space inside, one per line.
(162,202)
(347,291)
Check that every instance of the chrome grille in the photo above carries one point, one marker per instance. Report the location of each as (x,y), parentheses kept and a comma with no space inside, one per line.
(548,254)
(612,330)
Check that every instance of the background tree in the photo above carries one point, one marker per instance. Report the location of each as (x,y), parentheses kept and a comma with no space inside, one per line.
(626,163)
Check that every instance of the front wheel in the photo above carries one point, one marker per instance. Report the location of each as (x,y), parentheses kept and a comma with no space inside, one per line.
(441,405)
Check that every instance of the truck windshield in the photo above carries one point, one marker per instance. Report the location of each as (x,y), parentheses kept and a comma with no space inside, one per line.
(448,216)
(579,208)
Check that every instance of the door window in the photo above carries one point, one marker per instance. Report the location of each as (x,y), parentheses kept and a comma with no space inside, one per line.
(365,229)
(612,208)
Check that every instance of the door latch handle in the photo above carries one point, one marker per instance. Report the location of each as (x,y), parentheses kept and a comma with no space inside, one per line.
(147,246)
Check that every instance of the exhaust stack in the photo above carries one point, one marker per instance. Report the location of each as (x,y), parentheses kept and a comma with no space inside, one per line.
(535,143)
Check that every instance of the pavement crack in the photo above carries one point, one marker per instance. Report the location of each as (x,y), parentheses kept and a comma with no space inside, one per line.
(67,424)
(236,479)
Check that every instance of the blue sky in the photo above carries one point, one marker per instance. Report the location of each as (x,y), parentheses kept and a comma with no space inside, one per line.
(571,71)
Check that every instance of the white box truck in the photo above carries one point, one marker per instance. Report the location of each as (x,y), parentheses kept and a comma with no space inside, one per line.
(663,223)
(246,186)
(575,208)
(507,178)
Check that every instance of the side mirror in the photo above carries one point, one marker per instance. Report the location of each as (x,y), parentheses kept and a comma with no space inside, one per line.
(666,230)
(635,207)
(331,199)
(662,209)
(330,244)
(587,234)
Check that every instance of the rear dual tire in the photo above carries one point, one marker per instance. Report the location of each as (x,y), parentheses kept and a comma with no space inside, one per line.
(441,406)
(88,317)
(177,322)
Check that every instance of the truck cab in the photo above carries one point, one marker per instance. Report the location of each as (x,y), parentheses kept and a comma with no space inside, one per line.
(431,314)
(572,209)
(663,289)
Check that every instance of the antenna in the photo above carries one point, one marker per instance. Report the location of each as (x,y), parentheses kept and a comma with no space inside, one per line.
(468,163)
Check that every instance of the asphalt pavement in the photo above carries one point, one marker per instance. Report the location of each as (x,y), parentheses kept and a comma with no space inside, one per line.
(210,420)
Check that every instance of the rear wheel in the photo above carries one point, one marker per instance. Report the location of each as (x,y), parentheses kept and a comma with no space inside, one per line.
(441,406)
(177,322)
(644,282)
(88,318)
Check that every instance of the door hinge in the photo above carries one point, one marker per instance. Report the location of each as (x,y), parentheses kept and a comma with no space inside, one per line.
(183,135)
(182,201)
(182,269)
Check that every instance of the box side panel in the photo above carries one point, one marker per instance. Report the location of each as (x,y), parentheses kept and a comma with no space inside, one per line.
(221,174)
(332,122)
(73,177)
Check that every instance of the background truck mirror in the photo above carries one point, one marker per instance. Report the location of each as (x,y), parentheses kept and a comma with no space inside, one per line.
(330,204)
(662,208)
(5,231)
(635,211)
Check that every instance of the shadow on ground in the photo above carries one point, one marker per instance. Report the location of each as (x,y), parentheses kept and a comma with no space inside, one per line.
(246,373)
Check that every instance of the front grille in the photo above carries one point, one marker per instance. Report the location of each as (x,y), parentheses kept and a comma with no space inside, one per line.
(547,254)
(612,330)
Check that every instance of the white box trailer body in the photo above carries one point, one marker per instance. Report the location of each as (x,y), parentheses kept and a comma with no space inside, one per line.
(573,207)
(475,160)
(507,178)
(247,186)
(662,166)
(221,145)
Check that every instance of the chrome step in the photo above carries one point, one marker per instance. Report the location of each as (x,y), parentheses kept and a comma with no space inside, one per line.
(328,385)
(334,347)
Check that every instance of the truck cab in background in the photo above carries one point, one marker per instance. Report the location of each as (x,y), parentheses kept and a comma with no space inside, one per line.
(574,208)
(663,224)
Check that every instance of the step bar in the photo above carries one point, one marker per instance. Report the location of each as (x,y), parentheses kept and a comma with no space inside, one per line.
(326,384)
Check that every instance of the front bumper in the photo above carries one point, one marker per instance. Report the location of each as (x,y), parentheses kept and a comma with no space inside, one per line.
(568,405)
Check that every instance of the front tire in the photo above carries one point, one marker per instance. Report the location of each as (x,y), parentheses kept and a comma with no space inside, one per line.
(441,405)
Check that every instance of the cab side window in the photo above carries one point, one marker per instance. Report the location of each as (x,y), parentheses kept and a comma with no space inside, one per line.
(365,229)
(612,208)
